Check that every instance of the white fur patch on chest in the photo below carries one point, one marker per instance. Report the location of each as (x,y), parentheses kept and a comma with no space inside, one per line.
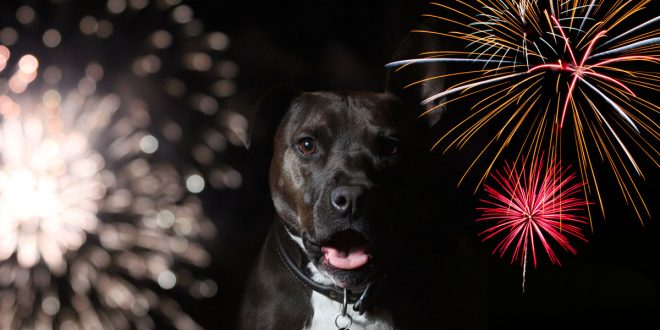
(326,310)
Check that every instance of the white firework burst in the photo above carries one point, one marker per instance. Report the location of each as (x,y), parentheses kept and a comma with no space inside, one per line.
(102,158)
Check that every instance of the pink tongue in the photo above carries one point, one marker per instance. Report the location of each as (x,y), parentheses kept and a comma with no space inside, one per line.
(354,258)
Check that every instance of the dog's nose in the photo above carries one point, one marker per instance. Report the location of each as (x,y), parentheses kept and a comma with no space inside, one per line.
(344,198)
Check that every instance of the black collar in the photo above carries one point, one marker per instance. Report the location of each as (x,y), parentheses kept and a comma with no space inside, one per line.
(362,298)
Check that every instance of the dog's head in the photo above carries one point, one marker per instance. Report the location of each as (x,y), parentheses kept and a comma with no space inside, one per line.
(337,178)
(340,167)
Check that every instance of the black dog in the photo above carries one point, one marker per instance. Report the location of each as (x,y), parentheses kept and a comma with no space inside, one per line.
(354,243)
(338,180)
(358,240)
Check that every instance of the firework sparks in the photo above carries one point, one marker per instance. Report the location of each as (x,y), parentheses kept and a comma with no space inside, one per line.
(533,206)
(547,68)
(100,223)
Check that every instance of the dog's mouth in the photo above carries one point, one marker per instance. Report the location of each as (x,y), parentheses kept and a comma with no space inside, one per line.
(346,250)
(346,258)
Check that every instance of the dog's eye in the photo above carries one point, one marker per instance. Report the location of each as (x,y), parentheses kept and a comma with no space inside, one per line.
(306,146)
(389,147)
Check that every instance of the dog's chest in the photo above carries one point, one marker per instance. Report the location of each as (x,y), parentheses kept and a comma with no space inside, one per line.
(326,311)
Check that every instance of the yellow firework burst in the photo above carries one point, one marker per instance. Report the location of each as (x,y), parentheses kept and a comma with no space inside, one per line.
(547,71)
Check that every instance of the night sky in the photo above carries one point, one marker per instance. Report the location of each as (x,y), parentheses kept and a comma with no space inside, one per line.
(344,45)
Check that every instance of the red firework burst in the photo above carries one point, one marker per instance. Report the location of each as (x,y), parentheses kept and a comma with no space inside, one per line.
(535,204)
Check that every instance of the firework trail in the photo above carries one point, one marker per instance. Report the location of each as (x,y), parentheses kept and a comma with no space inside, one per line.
(536,206)
(547,71)
(102,159)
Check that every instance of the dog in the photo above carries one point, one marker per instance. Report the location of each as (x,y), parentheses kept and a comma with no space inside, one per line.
(358,240)
(338,183)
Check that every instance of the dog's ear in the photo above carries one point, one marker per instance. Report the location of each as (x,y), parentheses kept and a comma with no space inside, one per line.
(271,108)
(400,79)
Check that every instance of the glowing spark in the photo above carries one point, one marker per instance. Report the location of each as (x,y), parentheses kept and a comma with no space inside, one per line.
(639,44)
(532,206)
(577,70)
(587,15)
(637,28)
(430,60)
(467,86)
(51,185)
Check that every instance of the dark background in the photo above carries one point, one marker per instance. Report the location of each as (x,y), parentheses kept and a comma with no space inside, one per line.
(614,279)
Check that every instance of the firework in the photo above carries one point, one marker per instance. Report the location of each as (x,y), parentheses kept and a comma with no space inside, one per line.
(544,69)
(101,160)
(533,207)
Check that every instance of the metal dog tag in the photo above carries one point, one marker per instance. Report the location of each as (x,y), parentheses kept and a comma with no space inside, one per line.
(346,320)
(343,317)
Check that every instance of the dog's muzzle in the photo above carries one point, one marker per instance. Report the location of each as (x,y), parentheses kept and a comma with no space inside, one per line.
(362,298)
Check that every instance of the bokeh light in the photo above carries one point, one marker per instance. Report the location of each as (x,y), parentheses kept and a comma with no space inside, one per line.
(113,121)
